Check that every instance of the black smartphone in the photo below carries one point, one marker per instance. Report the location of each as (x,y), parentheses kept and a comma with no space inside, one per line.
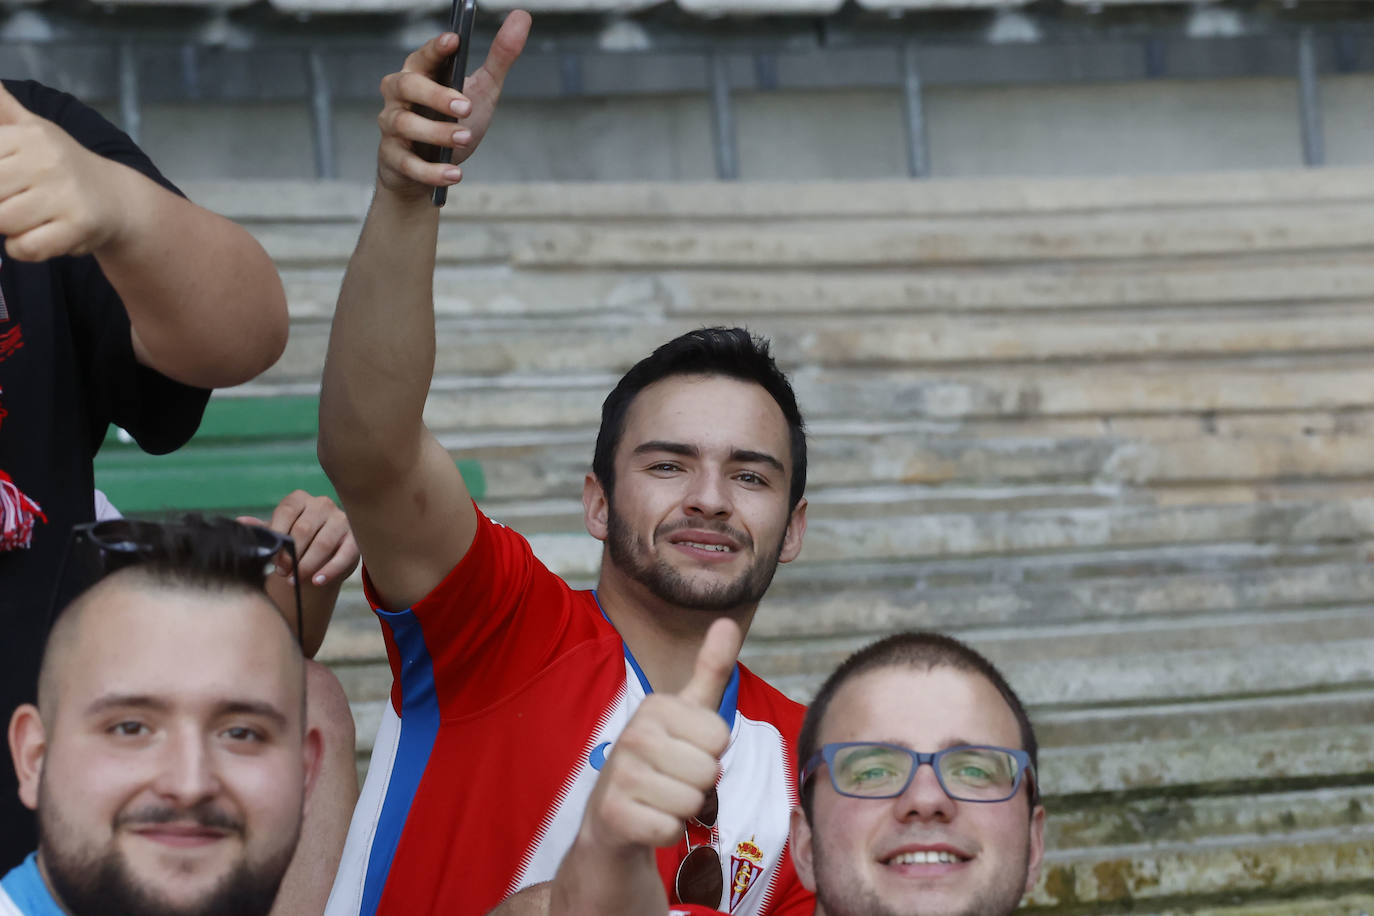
(452,72)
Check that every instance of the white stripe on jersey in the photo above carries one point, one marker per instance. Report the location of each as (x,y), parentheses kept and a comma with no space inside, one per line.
(346,897)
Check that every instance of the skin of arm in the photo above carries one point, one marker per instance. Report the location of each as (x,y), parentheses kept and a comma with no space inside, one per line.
(202,320)
(410,510)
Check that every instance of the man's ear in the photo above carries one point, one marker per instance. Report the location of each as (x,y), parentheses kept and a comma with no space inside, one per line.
(799,839)
(792,537)
(1037,847)
(28,748)
(312,754)
(596,507)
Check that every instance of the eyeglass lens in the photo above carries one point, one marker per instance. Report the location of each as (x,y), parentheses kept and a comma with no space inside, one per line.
(699,878)
(968,774)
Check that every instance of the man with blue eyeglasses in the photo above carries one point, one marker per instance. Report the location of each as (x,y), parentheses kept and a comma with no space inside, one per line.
(880,833)
(918,792)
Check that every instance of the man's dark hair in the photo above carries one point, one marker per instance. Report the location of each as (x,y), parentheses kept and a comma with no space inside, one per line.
(921,650)
(731,352)
(195,551)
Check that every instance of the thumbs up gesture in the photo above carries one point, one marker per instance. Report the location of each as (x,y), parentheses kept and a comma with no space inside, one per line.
(56,196)
(656,776)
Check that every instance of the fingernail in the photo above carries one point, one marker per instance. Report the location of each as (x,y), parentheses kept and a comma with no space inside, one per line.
(453,174)
(462,136)
(291,579)
(460,107)
(319,579)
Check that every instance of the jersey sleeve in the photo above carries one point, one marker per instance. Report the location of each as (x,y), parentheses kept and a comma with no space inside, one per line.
(495,620)
(161,414)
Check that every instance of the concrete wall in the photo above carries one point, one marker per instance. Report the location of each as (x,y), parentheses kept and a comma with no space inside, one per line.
(1121,128)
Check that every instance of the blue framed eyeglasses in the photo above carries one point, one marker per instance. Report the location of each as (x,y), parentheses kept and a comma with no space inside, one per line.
(873,769)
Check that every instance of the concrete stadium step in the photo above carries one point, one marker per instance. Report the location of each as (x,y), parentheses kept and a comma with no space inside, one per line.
(284,201)
(478,291)
(913,243)
(1322,383)
(1334,903)
(494,346)
(1175,819)
(1318,861)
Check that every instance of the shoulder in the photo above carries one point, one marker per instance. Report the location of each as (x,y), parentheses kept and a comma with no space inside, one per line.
(761,701)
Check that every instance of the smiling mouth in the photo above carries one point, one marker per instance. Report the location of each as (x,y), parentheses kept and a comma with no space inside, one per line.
(927,857)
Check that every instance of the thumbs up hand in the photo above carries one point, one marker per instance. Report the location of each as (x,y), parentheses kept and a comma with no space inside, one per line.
(659,771)
(656,776)
(56,196)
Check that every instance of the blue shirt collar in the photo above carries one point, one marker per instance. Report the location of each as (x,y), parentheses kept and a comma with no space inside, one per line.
(728,701)
(25,886)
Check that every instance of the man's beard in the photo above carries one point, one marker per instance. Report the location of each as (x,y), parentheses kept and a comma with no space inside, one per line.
(671,586)
(836,895)
(100,883)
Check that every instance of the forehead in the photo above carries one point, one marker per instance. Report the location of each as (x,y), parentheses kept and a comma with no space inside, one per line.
(924,709)
(182,646)
(706,411)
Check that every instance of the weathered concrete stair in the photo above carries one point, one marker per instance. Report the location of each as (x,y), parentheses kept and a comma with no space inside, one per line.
(1116,433)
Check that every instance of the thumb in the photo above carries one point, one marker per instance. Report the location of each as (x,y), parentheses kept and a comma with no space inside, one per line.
(507,45)
(250,520)
(11,112)
(715,664)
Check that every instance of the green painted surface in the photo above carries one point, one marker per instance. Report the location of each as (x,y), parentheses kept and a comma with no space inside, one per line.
(247,455)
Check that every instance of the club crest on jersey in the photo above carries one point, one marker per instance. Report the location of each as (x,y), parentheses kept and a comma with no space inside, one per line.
(745,867)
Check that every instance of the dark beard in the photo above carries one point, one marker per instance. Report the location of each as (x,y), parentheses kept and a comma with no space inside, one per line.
(102,885)
(671,587)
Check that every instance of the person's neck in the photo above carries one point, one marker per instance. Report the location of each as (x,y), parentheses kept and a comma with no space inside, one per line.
(663,638)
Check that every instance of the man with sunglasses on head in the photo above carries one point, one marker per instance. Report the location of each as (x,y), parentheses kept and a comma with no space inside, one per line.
(167,758)
(918,793)
(120,302)
(511,687)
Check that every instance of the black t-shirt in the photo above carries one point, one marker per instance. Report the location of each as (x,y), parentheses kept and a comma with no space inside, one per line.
(67,370)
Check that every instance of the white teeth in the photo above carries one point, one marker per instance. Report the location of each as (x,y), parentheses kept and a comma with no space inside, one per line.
(717,547)
(925,857)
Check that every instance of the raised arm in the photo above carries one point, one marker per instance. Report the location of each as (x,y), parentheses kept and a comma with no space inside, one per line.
(204,300)
(405,499)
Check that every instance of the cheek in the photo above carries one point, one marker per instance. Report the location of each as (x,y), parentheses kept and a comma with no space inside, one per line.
(268,789)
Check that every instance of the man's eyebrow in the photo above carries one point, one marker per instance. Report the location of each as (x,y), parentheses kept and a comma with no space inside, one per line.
(748,456)
(252,708)
(126,701)
(133,701)
(672,448)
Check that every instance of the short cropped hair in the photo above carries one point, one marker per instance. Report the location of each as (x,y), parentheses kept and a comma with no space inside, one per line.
(922,650)
(730,352)
(191,552)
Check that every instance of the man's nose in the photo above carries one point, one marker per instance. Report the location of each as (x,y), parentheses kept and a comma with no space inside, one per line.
(707,495)
(924,798)
(187,771)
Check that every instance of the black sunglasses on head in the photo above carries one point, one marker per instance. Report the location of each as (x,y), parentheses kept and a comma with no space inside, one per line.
(98,549)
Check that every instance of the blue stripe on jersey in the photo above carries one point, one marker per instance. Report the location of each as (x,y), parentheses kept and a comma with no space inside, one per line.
(419,727)
(26,888)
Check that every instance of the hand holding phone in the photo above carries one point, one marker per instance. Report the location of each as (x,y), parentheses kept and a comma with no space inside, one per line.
(451,74)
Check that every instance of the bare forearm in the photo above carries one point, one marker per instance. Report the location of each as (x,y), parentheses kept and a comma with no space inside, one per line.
(204,300)
(381,348)
(598,883)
